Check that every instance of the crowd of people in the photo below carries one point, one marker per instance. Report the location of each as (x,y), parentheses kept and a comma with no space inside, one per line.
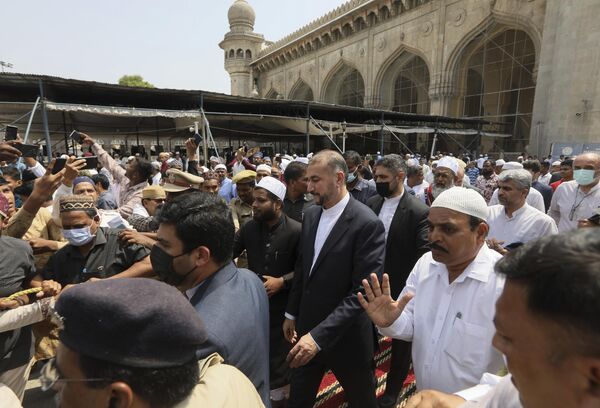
(241,282)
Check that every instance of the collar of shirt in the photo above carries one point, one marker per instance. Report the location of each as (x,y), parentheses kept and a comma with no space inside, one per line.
(362,183)
(99,240)
(478,269)
(516,214)
(393,200)
(337,209)
(138,186)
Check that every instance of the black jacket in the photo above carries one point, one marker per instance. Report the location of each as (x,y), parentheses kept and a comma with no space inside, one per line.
(407,238)
(325,301)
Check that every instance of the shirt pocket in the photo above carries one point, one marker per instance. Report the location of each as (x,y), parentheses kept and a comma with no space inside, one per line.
(468,344)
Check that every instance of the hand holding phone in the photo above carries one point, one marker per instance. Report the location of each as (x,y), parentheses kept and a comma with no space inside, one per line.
(76,136)
(28,150)
(11,133)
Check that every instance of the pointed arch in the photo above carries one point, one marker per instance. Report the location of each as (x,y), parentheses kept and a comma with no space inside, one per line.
(344,85)
(414,66)
(495,23)
(272,94)
(301,91)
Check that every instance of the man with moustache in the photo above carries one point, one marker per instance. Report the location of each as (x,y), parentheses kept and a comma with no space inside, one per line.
(488,181)
(405,220)
(447,306)
(271,241)
(342,242)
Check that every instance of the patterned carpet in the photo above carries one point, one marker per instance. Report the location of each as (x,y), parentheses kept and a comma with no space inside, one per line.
(331,394)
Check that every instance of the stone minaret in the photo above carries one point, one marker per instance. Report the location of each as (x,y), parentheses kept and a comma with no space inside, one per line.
(241,46)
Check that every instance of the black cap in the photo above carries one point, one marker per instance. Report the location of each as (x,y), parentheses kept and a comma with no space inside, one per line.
(132,322)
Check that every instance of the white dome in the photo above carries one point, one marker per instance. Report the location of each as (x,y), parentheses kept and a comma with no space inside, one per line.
(241,14)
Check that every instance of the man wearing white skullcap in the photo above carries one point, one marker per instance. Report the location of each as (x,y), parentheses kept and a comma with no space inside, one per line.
(452,336)
(271,240)
(262,170)
(499,164)
(445,176)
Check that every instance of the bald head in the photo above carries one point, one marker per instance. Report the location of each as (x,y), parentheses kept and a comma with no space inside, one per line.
(587,159)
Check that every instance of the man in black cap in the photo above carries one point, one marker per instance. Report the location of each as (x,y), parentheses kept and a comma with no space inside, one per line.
(132,343)
(193,252)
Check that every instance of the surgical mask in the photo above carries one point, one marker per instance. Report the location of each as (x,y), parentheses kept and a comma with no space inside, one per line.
(79,236)
(584,177)
(383,189)
(350,178)
(162,264)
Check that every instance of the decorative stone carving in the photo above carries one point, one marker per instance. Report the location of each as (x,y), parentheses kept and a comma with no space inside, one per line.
(427,28)
(460,17)
(381,43)
(361,52)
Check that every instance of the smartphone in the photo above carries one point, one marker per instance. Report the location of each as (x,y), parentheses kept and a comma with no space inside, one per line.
(11,133)
(75,136)
(59,164)
(28,150)
(91,162)
(198,139)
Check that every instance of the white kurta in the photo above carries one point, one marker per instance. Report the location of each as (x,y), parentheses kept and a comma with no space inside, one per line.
(526,224)
(570,204)
(451,325)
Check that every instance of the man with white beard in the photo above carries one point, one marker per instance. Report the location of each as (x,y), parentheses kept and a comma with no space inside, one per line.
(445,176)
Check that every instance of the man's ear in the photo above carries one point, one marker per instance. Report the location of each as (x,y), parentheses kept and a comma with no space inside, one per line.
(121,395)
(202,256)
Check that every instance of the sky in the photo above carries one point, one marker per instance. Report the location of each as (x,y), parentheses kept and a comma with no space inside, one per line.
(171,44)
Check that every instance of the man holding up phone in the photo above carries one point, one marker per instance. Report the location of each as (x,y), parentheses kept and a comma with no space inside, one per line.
(128,184)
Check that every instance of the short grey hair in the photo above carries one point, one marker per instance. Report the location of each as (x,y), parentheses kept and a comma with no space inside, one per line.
(393,162)
(332,159)
(413,170)
(521,177)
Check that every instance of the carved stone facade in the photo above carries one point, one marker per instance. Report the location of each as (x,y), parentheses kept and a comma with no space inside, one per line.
(476,58)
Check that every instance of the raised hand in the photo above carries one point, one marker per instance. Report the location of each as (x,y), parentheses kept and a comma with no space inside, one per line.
(382,309)
(8,152)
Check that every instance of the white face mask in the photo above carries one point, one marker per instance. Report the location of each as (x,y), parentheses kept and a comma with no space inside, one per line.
(584,177)
(79,236)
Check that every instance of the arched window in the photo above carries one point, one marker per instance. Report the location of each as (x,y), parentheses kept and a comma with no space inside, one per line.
(352,90)
(302,92)
(411,87)
(372,19)
(248,54)
(231,54)
(240,53)
(499,86)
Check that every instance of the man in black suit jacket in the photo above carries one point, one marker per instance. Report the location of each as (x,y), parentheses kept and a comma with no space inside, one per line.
(342,242)
(405,220)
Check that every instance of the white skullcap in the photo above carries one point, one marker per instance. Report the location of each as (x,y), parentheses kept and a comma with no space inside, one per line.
(284,164)
(463,200)
(273,185)
(213,159)
(288,157)
(412,162)
(302,160)
(512,166)
(220,167)
(263,167)
(449,163)
(156,165)
(500,162)
(556,163)
(203,169)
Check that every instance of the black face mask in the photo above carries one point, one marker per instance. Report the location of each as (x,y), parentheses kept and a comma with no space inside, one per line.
(162,264)
(383,189)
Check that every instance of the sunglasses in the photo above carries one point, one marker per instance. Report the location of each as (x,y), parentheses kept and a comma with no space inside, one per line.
(50,376)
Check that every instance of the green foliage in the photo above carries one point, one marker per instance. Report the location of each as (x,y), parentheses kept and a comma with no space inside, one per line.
(134,80)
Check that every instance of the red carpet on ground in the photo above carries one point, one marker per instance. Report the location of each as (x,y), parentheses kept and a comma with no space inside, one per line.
(331,394)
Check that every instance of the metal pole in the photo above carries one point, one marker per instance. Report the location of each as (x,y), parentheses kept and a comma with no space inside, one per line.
(31,119)
(381,144)
(204,141)
(65,131)
(434,143)
(307,129)
(45,120)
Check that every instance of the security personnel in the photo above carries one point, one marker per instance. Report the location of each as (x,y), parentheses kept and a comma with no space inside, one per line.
(241,206)
(179,182)
(271,240)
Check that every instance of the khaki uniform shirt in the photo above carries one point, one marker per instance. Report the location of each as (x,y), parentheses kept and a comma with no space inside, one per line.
(240,211)
(221,386)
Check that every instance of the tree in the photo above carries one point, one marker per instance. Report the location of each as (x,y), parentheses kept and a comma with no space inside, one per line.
(134,80)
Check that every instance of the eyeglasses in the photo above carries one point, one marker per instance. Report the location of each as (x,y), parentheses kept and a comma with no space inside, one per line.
(50,375)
